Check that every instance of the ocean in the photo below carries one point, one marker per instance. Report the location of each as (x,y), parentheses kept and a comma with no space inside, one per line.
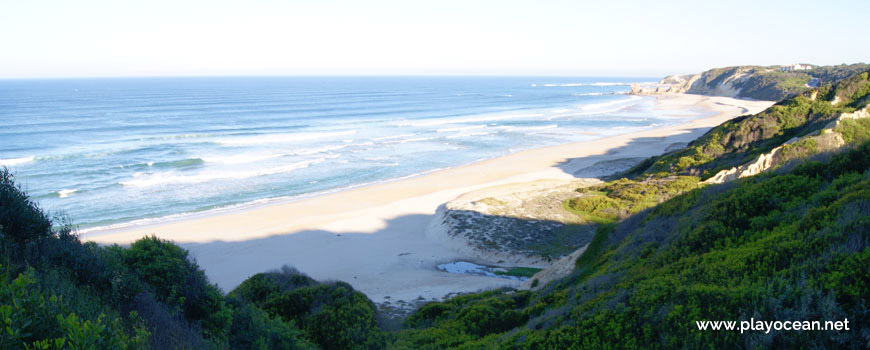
(123,151)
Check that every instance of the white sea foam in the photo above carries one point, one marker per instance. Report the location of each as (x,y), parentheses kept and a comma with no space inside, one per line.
(166,178)
(472,119)
(531,128)
(281,138)
(415,139)
(461,128)
(603,83)
(316,150)
(392,137)
(15,161)
(246,158)
(249,204)
(470,134)
(241,158)
(598,106)
(66,193)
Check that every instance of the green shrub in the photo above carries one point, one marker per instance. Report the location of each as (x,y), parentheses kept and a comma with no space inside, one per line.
(180,283)
(30,319)
(332,315)
(253,328)
(21,220)
(854,130)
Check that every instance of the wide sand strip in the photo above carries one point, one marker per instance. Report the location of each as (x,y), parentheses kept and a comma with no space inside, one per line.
(374,237)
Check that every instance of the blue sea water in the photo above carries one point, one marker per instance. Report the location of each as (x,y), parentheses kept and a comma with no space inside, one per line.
(111,152)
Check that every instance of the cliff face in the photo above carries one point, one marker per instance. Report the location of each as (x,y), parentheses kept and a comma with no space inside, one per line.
(772,83)
(828,139)
(748,144)
(760,83)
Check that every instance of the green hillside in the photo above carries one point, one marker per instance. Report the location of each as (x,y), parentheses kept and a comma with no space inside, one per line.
(789,244)
(741,139)
(769,83)
(669,251)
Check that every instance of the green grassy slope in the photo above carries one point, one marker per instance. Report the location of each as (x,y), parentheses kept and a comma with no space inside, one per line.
(772,247)
(739,140)
(669,251)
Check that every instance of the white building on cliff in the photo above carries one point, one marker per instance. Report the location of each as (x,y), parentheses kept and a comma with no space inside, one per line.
(794,67)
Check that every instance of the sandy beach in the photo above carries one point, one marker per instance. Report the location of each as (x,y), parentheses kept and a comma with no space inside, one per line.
(374,237)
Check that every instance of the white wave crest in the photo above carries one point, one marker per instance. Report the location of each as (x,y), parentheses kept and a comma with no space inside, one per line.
(15,161)
(165,178)
(471,119)
(240,158)
(281,138)
(461,128)
(66,193)
(415,139)
(470,134)
(392,137)
(602,83)
(598,106)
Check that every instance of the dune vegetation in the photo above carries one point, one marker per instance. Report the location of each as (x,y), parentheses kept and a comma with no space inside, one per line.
(787,244)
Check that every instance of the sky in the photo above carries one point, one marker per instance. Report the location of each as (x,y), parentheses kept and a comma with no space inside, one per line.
(95,38)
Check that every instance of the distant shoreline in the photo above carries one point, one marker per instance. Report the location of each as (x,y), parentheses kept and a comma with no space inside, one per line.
(373,236)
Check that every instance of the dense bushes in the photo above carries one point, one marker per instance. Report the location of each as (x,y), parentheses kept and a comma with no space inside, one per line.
(63,317)
(463,320)
(58,293)
(772,247)
(333,315)
(21,220)
(785,245)
(179,283)
(253,328)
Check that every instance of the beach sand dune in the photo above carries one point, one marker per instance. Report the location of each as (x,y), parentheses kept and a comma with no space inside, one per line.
(375,238)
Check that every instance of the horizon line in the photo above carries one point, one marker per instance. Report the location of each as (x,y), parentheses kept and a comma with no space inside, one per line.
(329,75)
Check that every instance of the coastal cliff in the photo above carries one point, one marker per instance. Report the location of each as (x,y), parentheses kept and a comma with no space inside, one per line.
(770,83)
(828,139)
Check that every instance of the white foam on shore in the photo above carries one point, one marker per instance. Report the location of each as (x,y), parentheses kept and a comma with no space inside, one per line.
(16,161)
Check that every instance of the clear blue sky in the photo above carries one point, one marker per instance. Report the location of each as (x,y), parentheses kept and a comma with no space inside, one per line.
(62,38)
